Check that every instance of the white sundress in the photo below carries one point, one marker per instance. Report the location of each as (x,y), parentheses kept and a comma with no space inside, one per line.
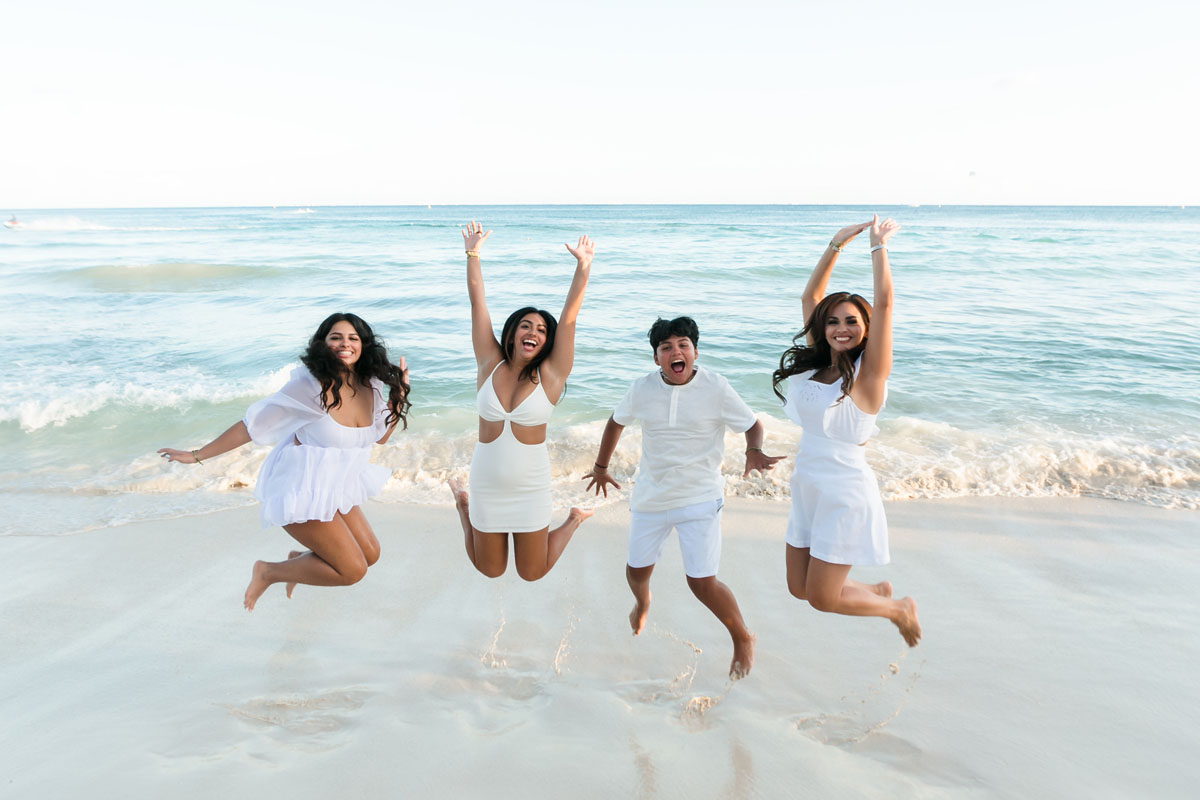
(329,470)
(836,509)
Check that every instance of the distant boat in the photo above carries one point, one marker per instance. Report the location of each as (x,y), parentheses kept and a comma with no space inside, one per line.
(14,223)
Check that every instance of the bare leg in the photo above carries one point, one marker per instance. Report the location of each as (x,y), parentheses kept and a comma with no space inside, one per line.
(719,600)
(826,587)
(360,529)
(883,588)
(488,552)
(639,584)
(335,560)
(535,552)
(292,585)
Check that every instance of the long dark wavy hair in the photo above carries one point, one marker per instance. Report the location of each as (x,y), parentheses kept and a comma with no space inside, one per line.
(508,337)
(373,362)
(802,356)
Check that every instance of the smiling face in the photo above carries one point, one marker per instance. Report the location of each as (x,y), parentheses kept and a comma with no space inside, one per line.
(844,327)
(675,356)
(343,340)
(529,337)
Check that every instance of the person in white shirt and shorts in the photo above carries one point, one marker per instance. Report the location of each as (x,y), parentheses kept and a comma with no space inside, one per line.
(684,411)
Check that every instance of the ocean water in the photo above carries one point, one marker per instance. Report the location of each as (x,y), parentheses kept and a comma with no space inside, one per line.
(1038,350)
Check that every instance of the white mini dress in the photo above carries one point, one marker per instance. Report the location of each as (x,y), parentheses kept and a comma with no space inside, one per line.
(510,480)
(836,509)
(329,470)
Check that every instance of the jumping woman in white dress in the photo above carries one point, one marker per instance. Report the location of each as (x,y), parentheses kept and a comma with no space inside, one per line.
(322,424)
(834,384)
(519,379)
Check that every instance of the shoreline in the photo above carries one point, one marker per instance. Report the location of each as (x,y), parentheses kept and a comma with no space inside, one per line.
(1058,634)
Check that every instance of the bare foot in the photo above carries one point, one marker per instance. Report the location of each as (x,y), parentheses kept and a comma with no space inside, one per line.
(637,617)
(258,585)
(292,585)
(906,621)
(580,514)
(743,657)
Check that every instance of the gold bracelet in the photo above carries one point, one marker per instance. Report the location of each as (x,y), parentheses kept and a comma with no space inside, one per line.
(198,461)
(837,246)
(753,449)
(472,254)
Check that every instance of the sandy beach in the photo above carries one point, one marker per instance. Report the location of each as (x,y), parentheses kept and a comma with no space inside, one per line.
(1059,635)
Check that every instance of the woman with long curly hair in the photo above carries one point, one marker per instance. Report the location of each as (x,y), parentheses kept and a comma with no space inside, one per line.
(835,383)
(518,380)
(322,424)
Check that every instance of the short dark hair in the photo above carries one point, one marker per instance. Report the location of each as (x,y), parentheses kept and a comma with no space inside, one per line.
(680,326)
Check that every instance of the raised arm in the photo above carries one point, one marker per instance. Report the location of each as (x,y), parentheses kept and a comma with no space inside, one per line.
(483,339)
(234,437)
(814,291)
(560,361)
(869,387)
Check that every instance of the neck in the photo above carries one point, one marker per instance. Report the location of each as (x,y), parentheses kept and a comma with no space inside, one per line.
(519,361)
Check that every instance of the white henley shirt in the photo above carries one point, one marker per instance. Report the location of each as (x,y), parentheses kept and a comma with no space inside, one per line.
(683,437)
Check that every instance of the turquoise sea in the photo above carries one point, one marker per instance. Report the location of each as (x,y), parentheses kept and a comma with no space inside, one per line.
(1039,350)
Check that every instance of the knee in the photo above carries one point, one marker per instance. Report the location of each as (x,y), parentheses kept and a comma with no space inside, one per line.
(371,555)
(353,572)
(798,589)
(823,601)
(529,573)
(702,587)
(491,570)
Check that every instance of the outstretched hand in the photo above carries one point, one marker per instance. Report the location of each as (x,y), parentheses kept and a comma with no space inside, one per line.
(182,456)
(473,236)
(600,481)
(403,371)
(583,251)
(757,459)
(849,232)
(882,231)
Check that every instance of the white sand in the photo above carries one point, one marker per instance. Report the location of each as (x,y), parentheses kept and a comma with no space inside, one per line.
(1060,639)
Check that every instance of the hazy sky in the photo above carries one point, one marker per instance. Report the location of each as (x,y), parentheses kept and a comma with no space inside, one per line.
(356,102)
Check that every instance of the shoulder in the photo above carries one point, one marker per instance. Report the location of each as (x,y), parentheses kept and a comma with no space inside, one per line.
(645,382)
(302,376)
(791,382)
(707,380)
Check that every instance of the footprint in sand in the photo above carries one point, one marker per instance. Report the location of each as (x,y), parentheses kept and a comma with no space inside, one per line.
(311,717)
(866,713)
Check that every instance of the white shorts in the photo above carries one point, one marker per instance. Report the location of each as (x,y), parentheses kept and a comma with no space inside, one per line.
(699,528)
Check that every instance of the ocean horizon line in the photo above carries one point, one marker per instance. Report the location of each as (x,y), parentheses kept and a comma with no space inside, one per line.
(15,208)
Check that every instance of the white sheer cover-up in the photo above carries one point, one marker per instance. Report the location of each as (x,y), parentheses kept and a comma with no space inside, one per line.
(329,471)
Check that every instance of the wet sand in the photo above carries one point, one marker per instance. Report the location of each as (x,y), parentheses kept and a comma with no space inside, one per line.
(1060,637)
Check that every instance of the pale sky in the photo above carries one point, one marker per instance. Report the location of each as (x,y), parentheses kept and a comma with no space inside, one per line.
(129,103)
